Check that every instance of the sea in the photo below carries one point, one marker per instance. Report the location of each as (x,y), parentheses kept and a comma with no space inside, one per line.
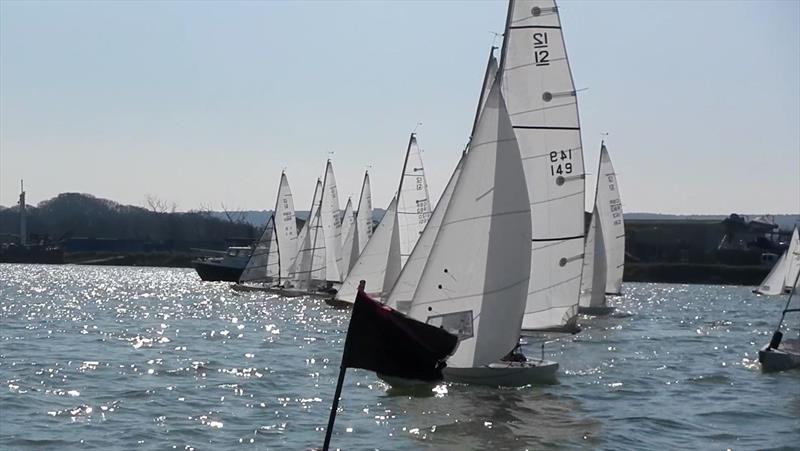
(128,358)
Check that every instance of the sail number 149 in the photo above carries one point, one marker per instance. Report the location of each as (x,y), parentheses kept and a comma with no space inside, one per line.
(557,164)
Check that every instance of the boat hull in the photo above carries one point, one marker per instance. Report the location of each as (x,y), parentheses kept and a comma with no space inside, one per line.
(505,374)
(598,311)
(210,272)
(335,303)
(786,357)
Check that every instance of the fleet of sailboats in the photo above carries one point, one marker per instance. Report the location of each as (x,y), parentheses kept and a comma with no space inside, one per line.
(462,266)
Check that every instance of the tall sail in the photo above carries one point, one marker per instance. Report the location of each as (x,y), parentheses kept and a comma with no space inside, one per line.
(332,225)
(542,104)
(609,206)
(262,266)
(474,284)
(350,240)
(793,258)
(413,201)
(374,260)
(285,227)
(403,290)
(364,214)
(300,269)
(593,278)
(773,283)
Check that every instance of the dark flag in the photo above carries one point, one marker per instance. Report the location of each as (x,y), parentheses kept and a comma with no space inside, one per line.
(383,340)
(386,341)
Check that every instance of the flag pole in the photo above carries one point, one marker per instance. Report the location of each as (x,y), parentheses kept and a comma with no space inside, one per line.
(334,407)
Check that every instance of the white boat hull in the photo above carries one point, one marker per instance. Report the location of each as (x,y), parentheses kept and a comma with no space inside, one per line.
(598,311)
(505,374)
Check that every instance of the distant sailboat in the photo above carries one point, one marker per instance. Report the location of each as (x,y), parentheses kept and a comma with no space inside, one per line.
(780,278)
(308,269)
(478,291)
(593,278)
(274,254)
(609,207)
(784,354)
(331,219)
(384,255)
(542,104)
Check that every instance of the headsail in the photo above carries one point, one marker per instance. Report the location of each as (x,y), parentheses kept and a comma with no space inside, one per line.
(793,258)
(773,283)
(542,104)
(593,278)
(350,243)
(263,264)
(373,262)
(609,206)
(332,225)
(476,289)
(364,214)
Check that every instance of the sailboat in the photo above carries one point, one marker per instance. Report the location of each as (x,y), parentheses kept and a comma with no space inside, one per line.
(542,104)
(331,219)
(349,238)
(593,279)
(784,354)
(390,247)
(779,280)
(307,272)
(270,262)
(609,207)
(475,281)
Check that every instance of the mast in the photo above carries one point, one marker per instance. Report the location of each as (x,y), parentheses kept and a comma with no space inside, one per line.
(405,163)
(316,228)
(483,93)
(23,226)
(275,228)
(504,48)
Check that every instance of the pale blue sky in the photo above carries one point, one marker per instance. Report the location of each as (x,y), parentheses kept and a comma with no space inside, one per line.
(203,103)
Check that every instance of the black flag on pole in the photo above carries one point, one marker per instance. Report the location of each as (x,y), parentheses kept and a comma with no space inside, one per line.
(384,340)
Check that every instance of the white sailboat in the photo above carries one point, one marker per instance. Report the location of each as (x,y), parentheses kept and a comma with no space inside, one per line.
(593,279)
(273,256)
(781,276)
(403,291)
(383,257)
(331,219)
(307,274)
(349,237)
(478,291)
(609,207)
(542,104)
(784,353)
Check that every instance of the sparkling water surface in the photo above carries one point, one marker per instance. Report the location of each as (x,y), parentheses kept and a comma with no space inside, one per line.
(152,358)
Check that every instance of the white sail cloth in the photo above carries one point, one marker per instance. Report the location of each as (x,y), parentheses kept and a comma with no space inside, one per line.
(609,206)
(593,278)
(474,284)
(542,104)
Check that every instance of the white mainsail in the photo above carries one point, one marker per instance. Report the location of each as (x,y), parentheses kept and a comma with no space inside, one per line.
(542,104)
(474,284)
(364,215)
(373,262)
(609,206)
(413,200)
(331,220)
(593,278)
(350,240)
(773,283)
(793,258)
(285,225)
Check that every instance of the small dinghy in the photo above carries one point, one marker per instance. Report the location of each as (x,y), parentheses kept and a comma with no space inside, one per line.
(783,354)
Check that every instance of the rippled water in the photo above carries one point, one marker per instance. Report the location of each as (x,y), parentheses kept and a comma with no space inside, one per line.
(151,358)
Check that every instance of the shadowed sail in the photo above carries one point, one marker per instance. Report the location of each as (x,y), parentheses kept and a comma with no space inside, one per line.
(593,279)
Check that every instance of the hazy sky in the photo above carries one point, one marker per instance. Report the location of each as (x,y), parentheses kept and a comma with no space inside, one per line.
(203,103)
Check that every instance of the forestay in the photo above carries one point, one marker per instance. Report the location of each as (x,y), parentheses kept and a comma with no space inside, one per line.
(413,201)
(331,221)
(372,264)
(609,206)
(542,104)
(474,283)
(593,278)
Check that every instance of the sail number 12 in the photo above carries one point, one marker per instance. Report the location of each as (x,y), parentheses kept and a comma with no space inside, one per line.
(541,53)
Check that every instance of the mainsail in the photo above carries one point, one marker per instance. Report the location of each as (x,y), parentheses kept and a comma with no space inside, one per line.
(793,257)
(542,104)
(285,225)
(413,201)
(773,283)
(350,243)
(609,206)
(331,221)
(364,214)
(478,291)
(593,279)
